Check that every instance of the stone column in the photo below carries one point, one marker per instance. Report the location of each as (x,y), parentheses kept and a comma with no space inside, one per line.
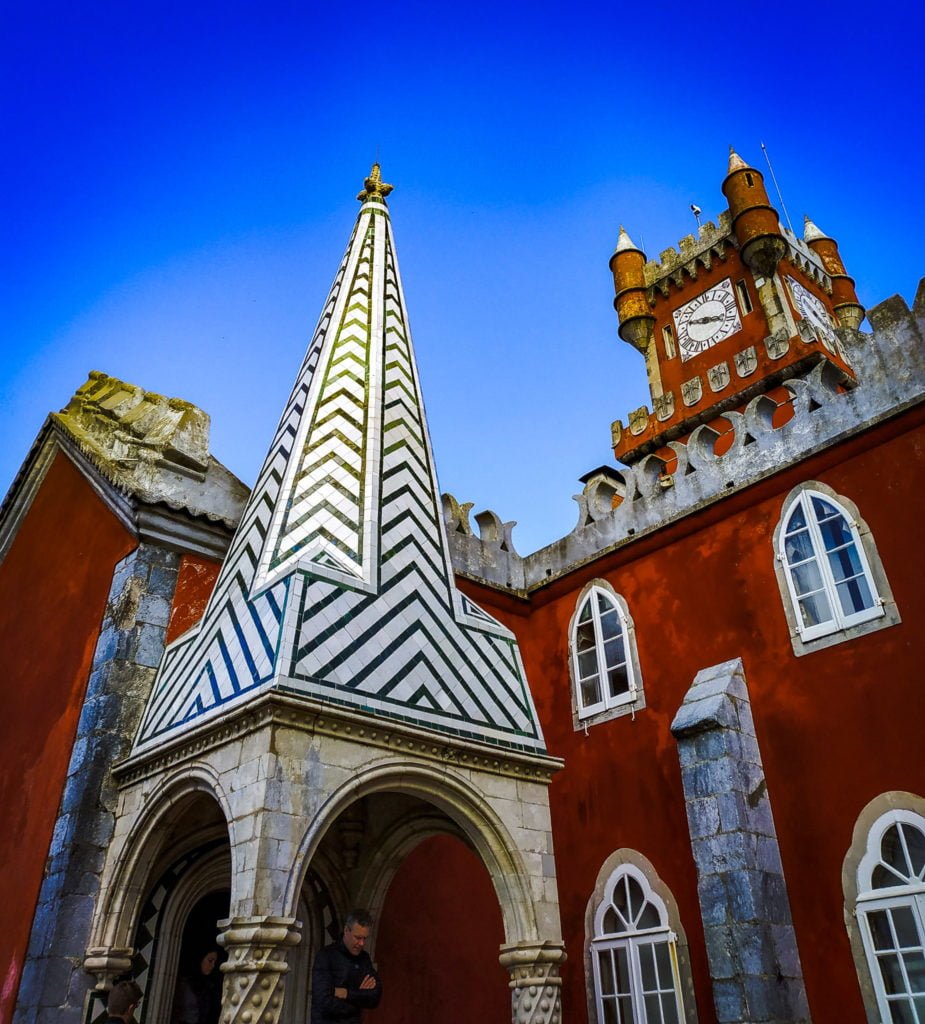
(254,972)
(536,986)
(53,988)
(751,944)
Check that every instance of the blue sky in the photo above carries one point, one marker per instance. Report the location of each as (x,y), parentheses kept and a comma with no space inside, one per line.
(179,180)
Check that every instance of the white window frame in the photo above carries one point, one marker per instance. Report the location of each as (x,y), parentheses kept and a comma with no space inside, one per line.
(608,706)
(633,940)
(840,627)
(910,895)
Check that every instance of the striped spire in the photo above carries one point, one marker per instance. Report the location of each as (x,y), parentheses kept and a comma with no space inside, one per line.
(338,584)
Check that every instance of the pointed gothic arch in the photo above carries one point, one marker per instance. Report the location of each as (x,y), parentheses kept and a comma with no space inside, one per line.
(138,851)
(465,807)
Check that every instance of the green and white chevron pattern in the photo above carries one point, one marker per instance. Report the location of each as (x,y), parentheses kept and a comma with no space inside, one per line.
(338,584)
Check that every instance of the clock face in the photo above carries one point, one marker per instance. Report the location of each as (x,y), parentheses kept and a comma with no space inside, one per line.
(709,318)
(812,309)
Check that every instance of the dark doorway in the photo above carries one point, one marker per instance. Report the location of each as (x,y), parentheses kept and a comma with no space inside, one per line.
(197,994)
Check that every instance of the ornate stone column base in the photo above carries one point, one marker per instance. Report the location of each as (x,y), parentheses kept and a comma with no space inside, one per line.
(257,950)
(536,987)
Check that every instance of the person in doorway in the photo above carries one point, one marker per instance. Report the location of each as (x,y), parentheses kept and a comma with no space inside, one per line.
(198,996)
(123,999)
(344,981)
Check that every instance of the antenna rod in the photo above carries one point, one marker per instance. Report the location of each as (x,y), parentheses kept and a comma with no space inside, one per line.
(780,194)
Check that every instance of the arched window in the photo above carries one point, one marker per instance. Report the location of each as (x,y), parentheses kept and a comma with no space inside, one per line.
(605,667)
(826,555)
(634,954)
(891,914)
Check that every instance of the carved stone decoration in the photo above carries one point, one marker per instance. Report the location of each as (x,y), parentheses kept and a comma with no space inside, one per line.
(494,531)
(106,964)
(456,514)
(254,972)
(616,432)
(692,391)
(718,376)
(746,361)
(639,420)
(604,490)
(777,345)
(664,406)
(808,333)
(536,984)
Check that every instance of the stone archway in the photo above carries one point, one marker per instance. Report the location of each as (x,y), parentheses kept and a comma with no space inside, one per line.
(286,789)
(464,809)
(391,805)
(166,856)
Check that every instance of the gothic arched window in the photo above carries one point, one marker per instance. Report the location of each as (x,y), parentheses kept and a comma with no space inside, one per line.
(634,955)
(891,914)
(605,669)
(832,581)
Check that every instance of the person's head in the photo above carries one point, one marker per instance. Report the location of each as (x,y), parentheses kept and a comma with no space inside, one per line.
(208,961)
(356,930)
(124,996)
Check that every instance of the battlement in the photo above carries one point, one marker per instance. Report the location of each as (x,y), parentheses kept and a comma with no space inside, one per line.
(711,242)
(891,369)
(807,259)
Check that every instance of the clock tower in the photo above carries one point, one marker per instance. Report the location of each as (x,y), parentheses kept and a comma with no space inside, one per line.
(732,313)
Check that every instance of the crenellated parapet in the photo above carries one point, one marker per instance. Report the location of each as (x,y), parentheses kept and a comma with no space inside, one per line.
(712,242)
(800,254)
(493,547)
(618,505)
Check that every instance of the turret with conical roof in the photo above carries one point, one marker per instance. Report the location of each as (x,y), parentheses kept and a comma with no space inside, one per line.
(754,220)
(845,302)
(733,312)
(637,323)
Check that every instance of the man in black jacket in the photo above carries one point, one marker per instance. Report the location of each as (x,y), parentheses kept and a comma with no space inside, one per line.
(344,981)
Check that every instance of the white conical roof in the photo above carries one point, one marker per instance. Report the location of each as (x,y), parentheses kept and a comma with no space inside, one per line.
(811,233)
(625,243)
(736,163)
(338,584)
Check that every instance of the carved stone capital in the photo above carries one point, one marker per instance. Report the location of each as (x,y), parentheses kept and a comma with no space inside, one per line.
(254,972)
(536,984)
(106,963)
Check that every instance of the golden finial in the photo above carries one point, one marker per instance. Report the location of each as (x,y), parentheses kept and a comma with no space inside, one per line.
(374,186)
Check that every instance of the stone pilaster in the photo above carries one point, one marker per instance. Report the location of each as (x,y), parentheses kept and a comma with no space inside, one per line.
(255,970)
(751,945)
(536,984)
(54,983)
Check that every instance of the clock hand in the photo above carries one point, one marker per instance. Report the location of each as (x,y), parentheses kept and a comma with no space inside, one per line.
(708,320)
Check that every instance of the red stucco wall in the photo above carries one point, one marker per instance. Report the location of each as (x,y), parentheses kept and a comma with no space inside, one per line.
(440,933)
(836,727)
(195,582)
(54,583)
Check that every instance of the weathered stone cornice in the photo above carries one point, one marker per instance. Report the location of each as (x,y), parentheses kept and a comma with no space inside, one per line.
(276,709)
